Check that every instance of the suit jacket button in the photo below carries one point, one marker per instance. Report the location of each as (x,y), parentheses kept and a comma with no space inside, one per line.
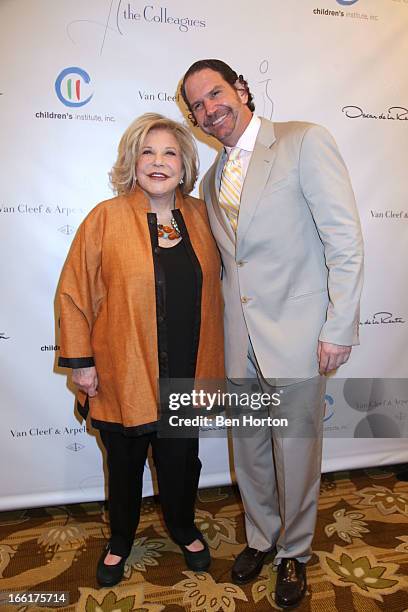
(245,299)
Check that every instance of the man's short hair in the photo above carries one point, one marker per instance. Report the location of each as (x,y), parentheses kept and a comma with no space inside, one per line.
(228,74)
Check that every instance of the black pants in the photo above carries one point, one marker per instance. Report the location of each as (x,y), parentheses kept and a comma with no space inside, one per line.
(178,470)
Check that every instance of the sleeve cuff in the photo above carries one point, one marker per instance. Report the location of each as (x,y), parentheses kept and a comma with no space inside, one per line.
(76,362)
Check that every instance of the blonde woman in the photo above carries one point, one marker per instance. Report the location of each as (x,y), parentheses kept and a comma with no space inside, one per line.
(140,300)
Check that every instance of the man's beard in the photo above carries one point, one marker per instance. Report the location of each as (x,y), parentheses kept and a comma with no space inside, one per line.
(226,112)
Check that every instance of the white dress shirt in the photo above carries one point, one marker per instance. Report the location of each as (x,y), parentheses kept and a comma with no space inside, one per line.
(247,143)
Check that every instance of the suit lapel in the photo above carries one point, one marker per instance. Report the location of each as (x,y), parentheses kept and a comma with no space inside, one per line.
(259,169)
(214,194)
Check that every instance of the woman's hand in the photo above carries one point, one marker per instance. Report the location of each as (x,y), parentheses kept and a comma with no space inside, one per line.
(86,379)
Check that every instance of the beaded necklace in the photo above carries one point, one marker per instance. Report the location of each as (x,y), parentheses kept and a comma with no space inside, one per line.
(170,232)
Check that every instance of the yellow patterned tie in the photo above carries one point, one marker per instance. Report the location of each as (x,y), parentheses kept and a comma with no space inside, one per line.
(231,186)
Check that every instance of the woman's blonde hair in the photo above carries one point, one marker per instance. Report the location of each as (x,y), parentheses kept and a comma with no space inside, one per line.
(123,173)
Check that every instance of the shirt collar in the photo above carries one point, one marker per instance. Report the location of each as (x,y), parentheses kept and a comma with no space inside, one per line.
(248,138)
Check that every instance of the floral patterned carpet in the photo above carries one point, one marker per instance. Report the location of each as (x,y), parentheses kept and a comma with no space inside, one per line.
(360,560)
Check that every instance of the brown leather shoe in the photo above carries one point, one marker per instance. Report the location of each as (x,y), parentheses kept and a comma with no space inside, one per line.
(247,565)
(290,583)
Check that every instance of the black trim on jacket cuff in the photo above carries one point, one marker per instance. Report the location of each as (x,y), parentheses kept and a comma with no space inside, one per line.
(76,362)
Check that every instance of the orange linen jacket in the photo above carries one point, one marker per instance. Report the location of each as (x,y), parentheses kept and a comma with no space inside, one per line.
(107,296)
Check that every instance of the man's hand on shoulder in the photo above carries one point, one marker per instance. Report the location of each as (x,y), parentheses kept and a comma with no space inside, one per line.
(331,356)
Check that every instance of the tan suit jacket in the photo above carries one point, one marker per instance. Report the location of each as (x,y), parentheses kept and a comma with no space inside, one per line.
(294,273)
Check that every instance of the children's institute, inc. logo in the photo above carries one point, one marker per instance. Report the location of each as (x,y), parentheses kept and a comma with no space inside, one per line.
(72,87)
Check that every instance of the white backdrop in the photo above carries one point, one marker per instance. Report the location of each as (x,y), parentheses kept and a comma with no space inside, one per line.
(73,75)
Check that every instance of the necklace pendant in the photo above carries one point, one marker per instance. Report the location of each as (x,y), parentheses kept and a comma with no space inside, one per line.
(168,232)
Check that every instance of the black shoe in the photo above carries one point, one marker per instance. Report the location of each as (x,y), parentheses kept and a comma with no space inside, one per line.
(290,583)
(197,561)
(109,575)
(247,565)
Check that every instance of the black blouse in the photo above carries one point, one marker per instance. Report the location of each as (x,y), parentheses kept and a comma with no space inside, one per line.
(180,300)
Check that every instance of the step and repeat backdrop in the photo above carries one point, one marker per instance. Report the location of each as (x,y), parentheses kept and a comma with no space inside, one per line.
(73,76)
